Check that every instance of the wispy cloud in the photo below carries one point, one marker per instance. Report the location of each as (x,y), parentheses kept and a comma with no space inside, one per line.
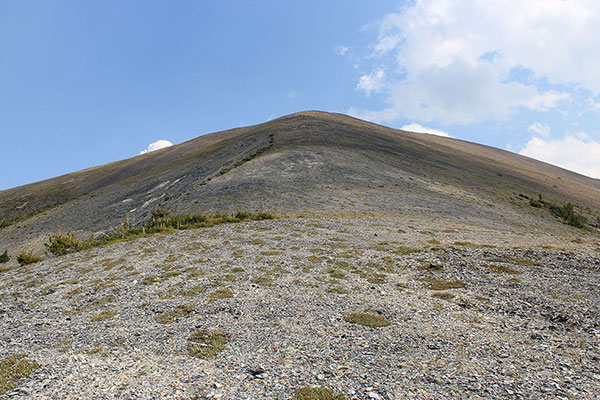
(541,129)
(341,49)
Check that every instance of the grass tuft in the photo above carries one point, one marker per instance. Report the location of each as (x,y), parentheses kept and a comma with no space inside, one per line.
(443,295)
(221,294)
(103,316)
(12,371)
(435,284)
(367,319)
(338,290)
(317,393)
(207,344)
(180,311)
(498,269)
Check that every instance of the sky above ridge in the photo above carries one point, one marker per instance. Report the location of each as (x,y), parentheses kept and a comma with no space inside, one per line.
(88,82)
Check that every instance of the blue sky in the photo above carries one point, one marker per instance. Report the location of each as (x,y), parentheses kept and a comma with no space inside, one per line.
(89,82)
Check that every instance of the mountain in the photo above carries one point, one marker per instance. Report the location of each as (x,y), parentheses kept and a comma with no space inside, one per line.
(309,163)
(398,265)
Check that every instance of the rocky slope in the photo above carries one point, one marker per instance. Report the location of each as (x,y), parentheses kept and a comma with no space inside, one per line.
(472,313)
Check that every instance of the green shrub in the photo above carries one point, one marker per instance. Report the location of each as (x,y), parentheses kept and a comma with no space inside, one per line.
(27,257)
(242,215)
(535,203)
(4,257)
(160,213)
(63,244)
(568,215)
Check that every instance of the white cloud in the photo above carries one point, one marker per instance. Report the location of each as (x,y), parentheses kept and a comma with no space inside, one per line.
(576,152)
(414,127)
(541,129)
(468,50)
(341,49)
(159,144)
(371,83)
(547,100)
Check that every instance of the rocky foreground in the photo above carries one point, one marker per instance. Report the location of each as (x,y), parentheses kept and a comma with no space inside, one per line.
(369,307)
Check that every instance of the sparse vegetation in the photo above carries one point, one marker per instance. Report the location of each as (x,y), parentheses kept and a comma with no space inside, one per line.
(221,294)
(23,216)
(475,245)
(376,279)
(367,319)
(62,244)
(435,284)
(257,153)
(524,262)
(443,295)
(12,371)
(27,257)
(207,344)
(502,269)
(103,316)
(317,393)
(565,212)
(336,273)
(193,291)
(168,317)
(338,290)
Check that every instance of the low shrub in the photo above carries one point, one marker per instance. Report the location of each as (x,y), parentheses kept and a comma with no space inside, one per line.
(4,257)
(565,212)
(568,215)
(63,244)
(27,257)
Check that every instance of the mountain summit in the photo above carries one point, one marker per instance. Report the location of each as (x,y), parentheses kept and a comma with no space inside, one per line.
(308,163)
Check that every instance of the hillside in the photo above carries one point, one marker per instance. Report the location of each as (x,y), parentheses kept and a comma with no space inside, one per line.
(310,163)
(398,265)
